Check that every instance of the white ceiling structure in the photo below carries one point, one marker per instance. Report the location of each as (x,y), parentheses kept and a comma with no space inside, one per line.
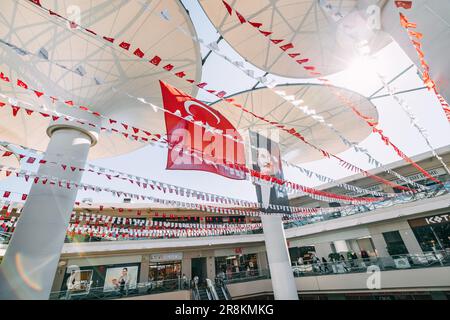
(31,28)
(143,25)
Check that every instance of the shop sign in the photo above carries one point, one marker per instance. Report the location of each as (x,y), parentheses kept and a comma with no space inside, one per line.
(437,219)
(238,250)
(160,257)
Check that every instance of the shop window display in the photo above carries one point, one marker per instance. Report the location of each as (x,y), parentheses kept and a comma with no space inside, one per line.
(239,265)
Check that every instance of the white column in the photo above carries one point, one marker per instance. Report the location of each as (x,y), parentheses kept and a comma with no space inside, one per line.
(283,281)
(341,246)
(31,260)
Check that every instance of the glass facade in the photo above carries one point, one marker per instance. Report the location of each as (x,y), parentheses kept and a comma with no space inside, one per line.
(236,263)
(395,244)
(167,270)
(432,232)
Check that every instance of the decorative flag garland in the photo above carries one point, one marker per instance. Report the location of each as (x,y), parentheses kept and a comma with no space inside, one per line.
(371,122)
(157,60)
(257,177)
(415,38)
(413,119)
(141,182)
(249,73)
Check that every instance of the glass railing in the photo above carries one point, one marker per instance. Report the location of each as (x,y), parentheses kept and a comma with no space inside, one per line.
(434,191)
(243,276)
(400,262)
(140,289)
(397,262)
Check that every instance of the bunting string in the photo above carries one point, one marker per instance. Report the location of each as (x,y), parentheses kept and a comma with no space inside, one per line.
(157,61)
(415,38)
(308,112)
(313,72)
(255,176)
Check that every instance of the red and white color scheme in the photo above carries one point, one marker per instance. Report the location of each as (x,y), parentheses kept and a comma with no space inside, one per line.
(212,145)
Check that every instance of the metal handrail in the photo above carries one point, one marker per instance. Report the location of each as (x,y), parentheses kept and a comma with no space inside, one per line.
(398,262)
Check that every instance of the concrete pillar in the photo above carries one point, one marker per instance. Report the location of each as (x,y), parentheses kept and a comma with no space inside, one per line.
(145,266)
(283,282)
(380,245)
(59,276)
(322,249)
(341,246)
(262,261)
(410,241)
(32,257)
(210,267)
(186,265)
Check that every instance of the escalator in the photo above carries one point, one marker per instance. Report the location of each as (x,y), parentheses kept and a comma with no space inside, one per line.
(211,291)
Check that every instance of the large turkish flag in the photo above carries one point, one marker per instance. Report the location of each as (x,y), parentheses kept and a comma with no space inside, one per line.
(209,145)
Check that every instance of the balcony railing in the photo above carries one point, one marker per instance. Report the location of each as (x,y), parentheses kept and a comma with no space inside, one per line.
(435,191)
(140,289)
(400,262)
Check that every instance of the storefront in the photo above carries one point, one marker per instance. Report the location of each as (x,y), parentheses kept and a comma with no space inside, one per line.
(165,266)
(302,254)
(81,280)
(237,263)
(432,232)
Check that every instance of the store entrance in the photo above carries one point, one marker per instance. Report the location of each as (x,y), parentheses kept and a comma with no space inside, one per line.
(198,268)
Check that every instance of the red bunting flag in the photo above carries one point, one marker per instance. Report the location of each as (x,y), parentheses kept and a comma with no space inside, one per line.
(109,39)
(180,74)
(168,67)
(404,4)
(229,9)
(3,77)
(24,197)
(241,18)
(257,25)
(6,194)
(125,45)
(22,84)
(287,46)
(138,53)
(15,110)
(38,94)
(186,135)
(276,41)
(266,33)
(37,2)
(301,61)
(155,60)
(7,154)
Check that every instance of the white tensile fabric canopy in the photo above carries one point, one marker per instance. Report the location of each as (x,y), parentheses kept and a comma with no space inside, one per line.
(103,66)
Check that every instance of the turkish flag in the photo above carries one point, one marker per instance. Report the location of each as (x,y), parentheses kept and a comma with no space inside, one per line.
(208,145)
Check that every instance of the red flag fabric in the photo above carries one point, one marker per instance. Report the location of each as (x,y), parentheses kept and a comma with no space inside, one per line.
(185,136)
(22,84)
(138,52)
(125,45)
(241,17)
(404,4)
(287,46)
(37,2)
(229,9)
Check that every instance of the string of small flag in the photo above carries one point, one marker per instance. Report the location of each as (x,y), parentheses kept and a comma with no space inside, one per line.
(158,137)
(415,38)
(156,60)
(313,72)
(255,176)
